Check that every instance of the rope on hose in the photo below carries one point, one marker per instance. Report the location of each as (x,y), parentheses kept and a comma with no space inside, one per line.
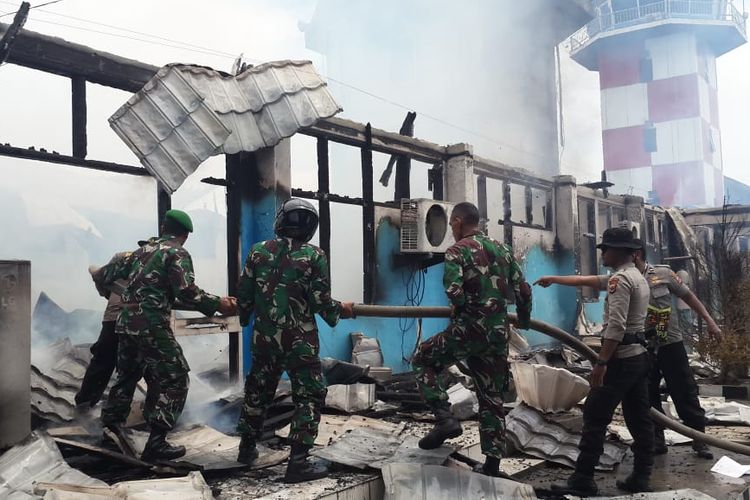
(567,339)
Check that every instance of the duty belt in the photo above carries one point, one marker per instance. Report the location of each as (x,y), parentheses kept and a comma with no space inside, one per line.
(633,338)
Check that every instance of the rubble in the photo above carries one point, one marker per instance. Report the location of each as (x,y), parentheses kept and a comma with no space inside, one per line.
(190,487)
(546,388)
(407,481)
(530,433)
(37,460)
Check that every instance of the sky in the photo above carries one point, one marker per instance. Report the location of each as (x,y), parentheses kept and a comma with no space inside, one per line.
(35,110)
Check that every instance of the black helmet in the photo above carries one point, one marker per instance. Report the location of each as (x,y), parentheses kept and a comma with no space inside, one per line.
(296,219)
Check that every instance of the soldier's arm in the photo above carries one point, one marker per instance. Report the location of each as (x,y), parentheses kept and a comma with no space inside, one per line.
(320,292)
(182,280)
(453,277)
(521,291)
(246,291)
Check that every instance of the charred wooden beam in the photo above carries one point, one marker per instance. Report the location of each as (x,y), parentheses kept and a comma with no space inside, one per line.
(58,56)
(337,198)
(10,34)
(78,91)
(368,219)
(353,134)
(43,155)
(403,163)
(324,205)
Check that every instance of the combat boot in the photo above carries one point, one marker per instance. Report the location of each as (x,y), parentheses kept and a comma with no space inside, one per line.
(446,427)
(702,450)
(491,467)
(660,443)
(248,450)
(579,485)
(157,447)
(636,482)
(300,468)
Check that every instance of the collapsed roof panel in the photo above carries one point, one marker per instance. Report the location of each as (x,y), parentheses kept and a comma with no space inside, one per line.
(185,114)
(37,460)
(407,481)
(532,434)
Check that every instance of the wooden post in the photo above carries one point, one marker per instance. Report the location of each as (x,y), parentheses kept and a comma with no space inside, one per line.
(234,250)
(163,205)
(403,163)
(79,117)
(368,218)
(323,203)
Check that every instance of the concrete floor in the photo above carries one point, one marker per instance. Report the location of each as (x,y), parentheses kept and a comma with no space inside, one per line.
(679,469)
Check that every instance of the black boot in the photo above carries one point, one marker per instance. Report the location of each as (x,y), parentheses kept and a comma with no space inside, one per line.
(702,450)
(300,468)
(157,447)
(491,467)
(248,450)
(636,482)
(579,485)
(660,444)
(446,427)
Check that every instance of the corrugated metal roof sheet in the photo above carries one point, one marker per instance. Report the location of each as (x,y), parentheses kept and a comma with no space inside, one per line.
(185,114)
(531,433)
(37,459)
(408,481)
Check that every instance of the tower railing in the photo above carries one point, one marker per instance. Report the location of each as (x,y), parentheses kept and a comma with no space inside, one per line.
(714,10)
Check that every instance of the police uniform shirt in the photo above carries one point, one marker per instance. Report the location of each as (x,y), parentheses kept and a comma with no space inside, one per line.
(664,283)
(625,307)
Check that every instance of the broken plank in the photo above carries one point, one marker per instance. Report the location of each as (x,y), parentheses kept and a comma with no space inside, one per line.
(172,469)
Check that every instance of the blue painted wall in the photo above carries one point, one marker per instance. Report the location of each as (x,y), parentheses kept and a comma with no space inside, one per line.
(397,339)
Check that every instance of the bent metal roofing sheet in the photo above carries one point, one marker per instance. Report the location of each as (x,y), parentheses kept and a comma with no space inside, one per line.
(185,114)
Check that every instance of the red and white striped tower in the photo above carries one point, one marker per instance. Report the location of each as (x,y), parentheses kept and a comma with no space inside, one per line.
(657,72)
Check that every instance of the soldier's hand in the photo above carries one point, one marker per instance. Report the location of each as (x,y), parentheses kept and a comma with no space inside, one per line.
(228,306)
(347,310)
(544,281)
(597,376)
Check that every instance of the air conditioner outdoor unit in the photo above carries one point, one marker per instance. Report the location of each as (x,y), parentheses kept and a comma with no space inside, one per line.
(424,226)
(632,226)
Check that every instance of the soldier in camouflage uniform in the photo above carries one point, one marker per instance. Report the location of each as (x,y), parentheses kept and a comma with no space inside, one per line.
(480,274)
(285,282)
(157,274)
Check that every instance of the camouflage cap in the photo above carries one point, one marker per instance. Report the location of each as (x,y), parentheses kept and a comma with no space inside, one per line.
(181,218)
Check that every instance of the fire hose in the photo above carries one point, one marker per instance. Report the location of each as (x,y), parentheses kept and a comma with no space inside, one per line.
(565,338)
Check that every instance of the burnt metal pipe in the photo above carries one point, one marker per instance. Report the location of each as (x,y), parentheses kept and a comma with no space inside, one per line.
(565,338)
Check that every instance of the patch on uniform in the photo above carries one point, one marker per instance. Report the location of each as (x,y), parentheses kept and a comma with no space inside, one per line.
(612,285)
(676,277)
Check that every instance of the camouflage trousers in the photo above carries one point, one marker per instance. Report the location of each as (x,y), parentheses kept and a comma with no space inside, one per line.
(296,352)
(156,356)
(486,356)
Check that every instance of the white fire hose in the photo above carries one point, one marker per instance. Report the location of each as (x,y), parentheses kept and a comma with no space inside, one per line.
(565,338)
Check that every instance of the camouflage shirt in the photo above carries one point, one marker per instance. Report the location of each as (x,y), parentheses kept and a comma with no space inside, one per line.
(158,274)
(285,283)
(480,274)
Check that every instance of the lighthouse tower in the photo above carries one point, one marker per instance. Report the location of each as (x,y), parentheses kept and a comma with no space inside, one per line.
(657,73)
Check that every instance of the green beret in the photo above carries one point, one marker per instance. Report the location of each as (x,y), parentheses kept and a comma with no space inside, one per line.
(181,218)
